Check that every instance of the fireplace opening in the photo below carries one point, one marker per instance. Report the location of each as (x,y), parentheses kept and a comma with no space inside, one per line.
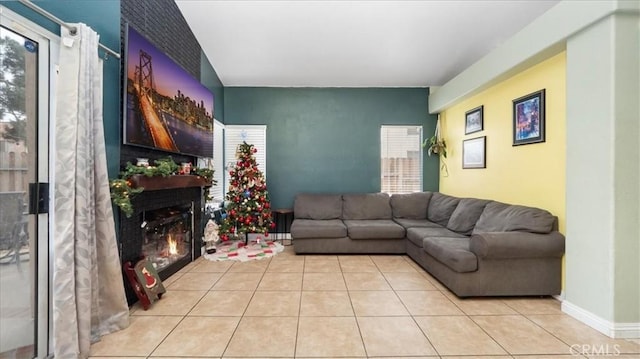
(167,235)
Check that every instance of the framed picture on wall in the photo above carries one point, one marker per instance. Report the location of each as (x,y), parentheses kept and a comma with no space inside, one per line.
(529,119)
(473,120)
(473,152)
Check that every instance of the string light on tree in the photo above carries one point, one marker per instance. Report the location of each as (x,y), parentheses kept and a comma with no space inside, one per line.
(247,201)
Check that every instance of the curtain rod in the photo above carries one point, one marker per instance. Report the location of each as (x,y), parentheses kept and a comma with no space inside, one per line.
(55,19)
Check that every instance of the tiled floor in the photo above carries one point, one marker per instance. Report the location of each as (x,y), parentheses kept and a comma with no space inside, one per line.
(344,307)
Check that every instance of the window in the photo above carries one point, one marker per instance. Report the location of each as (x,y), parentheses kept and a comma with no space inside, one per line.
(217,191)
(401,159)
(252,134)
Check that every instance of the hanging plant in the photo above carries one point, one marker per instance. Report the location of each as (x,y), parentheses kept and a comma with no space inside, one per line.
(436,145)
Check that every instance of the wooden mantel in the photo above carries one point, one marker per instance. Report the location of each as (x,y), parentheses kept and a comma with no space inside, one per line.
(156,183)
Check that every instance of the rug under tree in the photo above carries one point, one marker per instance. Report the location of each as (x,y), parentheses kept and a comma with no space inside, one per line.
(237,250)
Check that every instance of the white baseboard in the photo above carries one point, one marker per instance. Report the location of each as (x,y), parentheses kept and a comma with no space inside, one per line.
(610,329)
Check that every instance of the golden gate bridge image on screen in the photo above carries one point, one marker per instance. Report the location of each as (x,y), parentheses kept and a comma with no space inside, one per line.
(145,90)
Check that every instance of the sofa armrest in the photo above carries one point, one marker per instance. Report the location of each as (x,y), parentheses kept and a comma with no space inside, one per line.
(493,245)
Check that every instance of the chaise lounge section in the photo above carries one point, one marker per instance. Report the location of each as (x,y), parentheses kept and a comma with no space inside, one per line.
(475,247)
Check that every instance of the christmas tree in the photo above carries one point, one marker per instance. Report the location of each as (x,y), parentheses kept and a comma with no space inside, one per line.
(247,202)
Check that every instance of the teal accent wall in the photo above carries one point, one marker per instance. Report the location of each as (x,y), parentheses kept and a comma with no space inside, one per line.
(210,79)
(104,18)
(327,140)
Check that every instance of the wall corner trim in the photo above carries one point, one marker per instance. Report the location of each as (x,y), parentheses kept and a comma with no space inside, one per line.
(610,329)
(543,38)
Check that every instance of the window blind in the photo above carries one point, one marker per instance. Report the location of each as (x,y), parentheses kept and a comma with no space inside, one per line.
(401,159)
(234,135)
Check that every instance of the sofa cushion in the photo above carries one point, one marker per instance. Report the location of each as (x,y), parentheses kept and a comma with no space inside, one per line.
(409,223)
(313,228)
(366,206)
(440,208)
(317,206)
(374,229)
(417,234)
(464,217)
(502,217)
(410,205)
(452,252)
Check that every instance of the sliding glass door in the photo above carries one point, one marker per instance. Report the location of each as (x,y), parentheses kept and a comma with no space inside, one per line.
(24,195)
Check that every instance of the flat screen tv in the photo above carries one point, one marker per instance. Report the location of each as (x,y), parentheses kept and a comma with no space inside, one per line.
(165,108)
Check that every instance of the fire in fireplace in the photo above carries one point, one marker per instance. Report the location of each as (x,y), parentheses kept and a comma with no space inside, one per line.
(168,235)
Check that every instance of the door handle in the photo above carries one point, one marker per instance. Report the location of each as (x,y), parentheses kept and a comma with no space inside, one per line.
(38,198)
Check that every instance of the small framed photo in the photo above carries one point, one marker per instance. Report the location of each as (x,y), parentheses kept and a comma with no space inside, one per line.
(473,152)
(529,119)
(474,121)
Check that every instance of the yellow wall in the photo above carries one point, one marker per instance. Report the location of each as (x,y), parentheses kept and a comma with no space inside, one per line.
(531,175)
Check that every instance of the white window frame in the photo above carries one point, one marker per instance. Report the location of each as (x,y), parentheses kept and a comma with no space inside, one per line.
(392,150)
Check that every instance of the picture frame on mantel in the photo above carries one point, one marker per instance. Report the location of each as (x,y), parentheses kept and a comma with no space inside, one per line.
(474,120)
(529,119)
(474,152)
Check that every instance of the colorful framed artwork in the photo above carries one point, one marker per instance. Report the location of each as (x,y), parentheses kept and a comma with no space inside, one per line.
(474,152)
(473,120)
(529,119)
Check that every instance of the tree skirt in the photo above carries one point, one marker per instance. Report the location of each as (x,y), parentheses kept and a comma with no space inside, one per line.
(238,251)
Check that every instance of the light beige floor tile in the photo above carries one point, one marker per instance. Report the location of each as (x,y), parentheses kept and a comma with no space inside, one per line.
(558,356)
(281,281)
(577,334)
(212,266)
(323,281)
(528,306)
(321,266)
(408,281)
(118,357)
(458,335)
(329,336)
(254,266)
(429,302)
(366,281)
(139,339)
(345,258)
(360,266)
(518,335)
(433,281)
(173,302)
(198,336)
(325,304)
(223,303)
(392,264)
(264,337)
(238,281)
(377,303)
(191,265)
(286,266)
(484,357)
(167,282)
(320,257)
(195,281)
(274,304)
(480,306)
(393,336)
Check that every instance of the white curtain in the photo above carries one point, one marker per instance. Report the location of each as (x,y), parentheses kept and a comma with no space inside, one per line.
(88,291)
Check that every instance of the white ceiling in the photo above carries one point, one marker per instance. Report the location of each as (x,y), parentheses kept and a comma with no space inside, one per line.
(352,43)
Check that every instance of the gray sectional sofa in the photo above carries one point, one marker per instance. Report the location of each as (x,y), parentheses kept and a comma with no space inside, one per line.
(475,247)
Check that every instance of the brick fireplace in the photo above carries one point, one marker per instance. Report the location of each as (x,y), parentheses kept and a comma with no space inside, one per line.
(165,226)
